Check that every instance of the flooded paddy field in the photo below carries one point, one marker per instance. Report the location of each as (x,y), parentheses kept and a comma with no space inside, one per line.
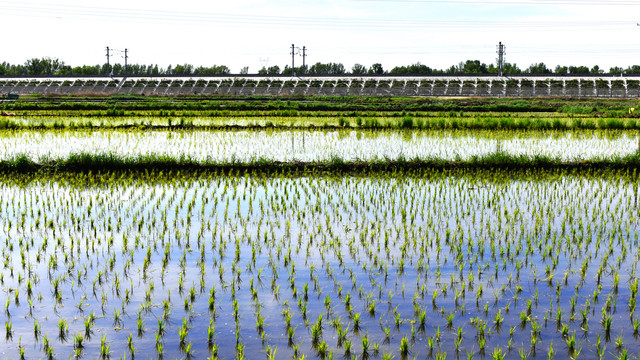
(410,264)
(318,145)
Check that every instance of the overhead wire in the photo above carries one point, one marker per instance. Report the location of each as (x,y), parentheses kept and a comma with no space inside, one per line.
(166,17)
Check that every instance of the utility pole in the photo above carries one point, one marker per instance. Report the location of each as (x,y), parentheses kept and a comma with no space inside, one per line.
(126,56)
(293,54)
(108,61)
(501,53)
(304,55)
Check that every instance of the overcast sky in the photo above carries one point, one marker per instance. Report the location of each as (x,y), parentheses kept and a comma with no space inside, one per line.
(254,33)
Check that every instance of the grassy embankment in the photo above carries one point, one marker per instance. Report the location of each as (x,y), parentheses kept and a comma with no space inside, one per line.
(90,162)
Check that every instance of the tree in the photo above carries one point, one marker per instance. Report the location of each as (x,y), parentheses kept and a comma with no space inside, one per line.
(473,67)
(634,69)
(561,70)
(415,69)
(44,66)
(596,70)
(325,69)
(538,68)
(358,69)
(213,70)
(244,70)
(376,69)
(117,69)
(272,70)
(507,68)
(616,70)
(452,70)
(575,70)
(186,69)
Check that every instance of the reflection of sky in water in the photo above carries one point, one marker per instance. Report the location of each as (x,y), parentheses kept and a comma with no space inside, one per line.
(284,145)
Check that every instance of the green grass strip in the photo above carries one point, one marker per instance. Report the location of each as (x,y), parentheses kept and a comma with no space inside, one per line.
(97,162)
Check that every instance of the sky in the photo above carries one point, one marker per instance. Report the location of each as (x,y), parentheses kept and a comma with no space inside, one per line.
(257,33)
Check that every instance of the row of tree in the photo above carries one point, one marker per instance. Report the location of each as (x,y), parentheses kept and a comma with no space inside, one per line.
(56,67)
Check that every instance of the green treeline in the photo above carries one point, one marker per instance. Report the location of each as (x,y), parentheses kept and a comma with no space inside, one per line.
(56,67)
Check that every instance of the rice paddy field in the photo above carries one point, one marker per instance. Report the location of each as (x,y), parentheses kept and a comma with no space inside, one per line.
(316,145)
(236,261)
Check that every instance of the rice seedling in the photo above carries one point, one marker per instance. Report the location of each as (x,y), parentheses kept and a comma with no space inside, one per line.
(78,341)
(8,327)
(365,343)
(177,208)
(404,346)
(105,351)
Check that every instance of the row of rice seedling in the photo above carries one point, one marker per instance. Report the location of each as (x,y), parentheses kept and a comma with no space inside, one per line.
(417,263)
(316,146)
(327,120)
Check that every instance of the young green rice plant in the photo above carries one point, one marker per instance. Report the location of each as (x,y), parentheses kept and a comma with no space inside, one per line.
(78,340)
(291,331)
(559,315)
(347,347)
(271,352)
(404,346)
(116,317)
(140,325)
(607,324)
(321,348)
(63,327)
(624,355)
(316,333)
(619,342)
(522,354)
(211,329)
(182,335)
(36,328)
(356,321)
(571,342)
(8,327)
(372,308)
(397,320)
(498,318)
(431,341)
(105,351)
(450,318)
(498,354)
(366,344)
(130,345)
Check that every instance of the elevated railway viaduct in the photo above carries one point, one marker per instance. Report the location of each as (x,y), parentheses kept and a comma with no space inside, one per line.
(450,86)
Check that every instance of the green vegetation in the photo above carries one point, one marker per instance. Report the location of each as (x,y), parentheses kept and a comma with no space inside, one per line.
(128,248)
(90,162)
(326,112)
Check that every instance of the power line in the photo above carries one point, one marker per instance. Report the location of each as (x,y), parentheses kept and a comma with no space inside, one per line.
(519,2)
(302,22)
